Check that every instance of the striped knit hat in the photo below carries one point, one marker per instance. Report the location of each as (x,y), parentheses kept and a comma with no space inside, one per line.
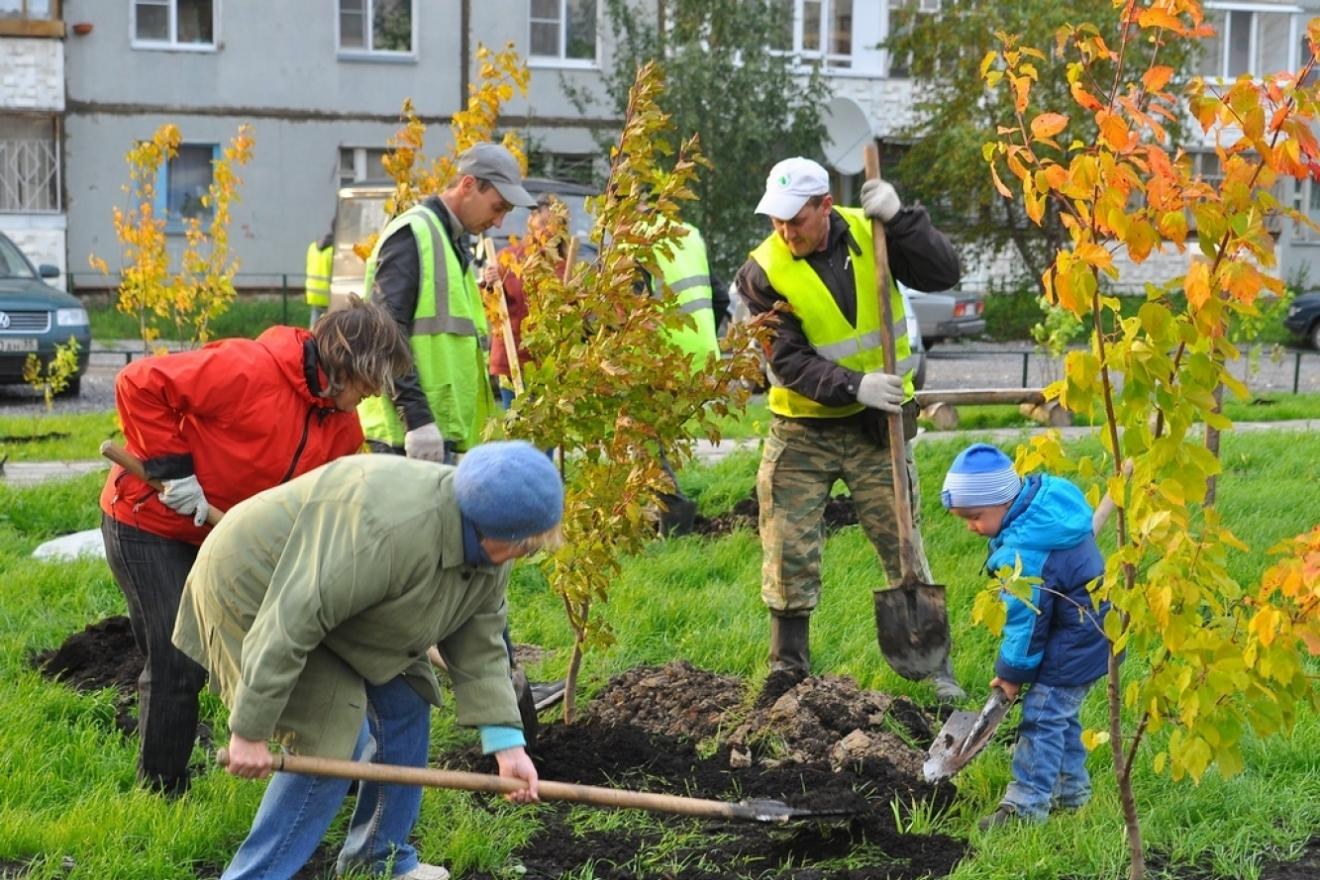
(981,476)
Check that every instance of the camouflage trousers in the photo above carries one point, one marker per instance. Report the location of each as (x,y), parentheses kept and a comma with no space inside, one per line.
(799,465)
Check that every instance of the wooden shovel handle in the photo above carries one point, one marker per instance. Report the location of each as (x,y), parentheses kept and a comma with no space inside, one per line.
(462,780)
(506,326)
(121,456)
(909,565)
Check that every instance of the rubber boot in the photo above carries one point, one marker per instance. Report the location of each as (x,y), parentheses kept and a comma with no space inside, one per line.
(790,649)
(678,515)
(947,689)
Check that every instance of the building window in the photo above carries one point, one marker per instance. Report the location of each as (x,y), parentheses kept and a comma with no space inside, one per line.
(571,167)
(29,165)
(183,184)
(377,27)
(174,24)
(26,9)
(821,32)
(358,164)
(1246,42)
(564,30)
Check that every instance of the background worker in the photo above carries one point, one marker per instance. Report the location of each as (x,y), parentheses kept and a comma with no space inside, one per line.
(546,230)
(329,654)
(320,268)
(218,425)
(421,273)
(829,390)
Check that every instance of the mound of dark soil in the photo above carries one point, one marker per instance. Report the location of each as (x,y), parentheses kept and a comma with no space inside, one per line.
(102,655)
(839,753)
(839,512)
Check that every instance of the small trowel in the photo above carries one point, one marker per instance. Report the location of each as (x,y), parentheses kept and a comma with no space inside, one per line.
(963,736)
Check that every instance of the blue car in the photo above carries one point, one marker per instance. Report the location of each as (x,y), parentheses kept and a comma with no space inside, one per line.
(1304,318)
(35,317)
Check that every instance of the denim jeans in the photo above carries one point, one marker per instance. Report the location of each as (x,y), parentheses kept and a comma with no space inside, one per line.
(150,571)
(1049,760)
(297,810)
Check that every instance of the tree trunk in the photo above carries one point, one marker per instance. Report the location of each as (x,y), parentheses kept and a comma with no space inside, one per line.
(1123,773)
(1212,444)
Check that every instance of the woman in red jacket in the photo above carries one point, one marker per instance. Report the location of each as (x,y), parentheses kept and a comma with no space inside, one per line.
(215,426)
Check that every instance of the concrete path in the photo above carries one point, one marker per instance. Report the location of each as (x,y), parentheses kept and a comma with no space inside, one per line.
(31,473)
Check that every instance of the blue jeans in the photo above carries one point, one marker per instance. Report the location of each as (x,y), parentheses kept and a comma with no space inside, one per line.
(297,810)
(1049,760)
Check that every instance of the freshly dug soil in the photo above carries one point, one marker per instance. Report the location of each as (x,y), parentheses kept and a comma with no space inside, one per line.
(839,512)
(821,744)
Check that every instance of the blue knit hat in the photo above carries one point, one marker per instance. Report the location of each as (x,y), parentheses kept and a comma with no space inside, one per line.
(981,476)
(509,490)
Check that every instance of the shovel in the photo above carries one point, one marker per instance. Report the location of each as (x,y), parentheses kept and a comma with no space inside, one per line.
(911,619)
(765,811)
(963,736)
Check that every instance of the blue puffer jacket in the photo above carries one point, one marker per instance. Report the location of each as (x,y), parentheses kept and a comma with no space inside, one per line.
(1049,528)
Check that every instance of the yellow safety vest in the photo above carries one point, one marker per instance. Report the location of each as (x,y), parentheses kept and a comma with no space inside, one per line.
(448,339)
(855,347)
(320,265)
(686,272)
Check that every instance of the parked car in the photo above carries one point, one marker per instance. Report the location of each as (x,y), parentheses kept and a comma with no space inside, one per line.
(35,317)
(1303,318)
(947,315)
(361,212)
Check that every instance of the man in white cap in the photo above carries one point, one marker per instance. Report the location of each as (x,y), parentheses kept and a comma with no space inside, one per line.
(421,271)
(829,389)
(312,606)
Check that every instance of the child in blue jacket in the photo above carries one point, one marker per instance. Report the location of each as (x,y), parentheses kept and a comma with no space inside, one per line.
(1056,645)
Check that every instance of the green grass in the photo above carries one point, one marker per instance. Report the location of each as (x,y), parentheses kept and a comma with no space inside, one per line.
(66,775)
(75,435)
(247,316)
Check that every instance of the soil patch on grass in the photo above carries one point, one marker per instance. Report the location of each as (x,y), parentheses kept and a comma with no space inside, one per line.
(822,745)
(839,512)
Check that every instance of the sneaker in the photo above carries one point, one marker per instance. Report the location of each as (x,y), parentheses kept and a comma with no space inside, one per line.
(546,693)
(424,871)
(947,689)
(1003,815)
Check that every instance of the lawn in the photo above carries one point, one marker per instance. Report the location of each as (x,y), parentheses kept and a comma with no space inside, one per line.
(66,774)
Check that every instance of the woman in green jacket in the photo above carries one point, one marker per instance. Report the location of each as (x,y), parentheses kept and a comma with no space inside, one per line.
(313,605)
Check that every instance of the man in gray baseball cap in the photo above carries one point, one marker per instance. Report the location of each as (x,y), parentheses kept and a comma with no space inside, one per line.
(496,165)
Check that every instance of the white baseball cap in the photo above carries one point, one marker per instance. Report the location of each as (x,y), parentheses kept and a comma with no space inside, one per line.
(790,184)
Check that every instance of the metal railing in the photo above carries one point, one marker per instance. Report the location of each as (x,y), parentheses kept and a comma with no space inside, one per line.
(270,284)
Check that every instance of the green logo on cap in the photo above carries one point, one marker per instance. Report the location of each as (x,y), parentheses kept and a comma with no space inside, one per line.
(783,180)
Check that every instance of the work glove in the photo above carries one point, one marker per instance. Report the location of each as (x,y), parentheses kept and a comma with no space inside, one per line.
(425,443)
(185,496)
(882,391)
(879,200)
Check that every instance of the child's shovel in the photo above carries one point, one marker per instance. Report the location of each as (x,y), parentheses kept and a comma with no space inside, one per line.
(963,736)
(911,619)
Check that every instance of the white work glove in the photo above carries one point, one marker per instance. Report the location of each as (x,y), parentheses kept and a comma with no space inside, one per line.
(425,443)
(879,200)
(185,496)
(882,391)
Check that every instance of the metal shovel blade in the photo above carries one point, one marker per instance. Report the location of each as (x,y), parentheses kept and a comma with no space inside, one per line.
(912,625)
(963,736)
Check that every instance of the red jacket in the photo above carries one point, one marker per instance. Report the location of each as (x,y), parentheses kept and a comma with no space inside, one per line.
(238,413)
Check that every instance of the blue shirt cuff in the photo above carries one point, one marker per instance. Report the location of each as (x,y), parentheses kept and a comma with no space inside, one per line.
(498,737)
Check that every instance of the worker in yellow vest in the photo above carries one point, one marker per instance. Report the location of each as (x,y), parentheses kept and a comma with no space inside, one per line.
(829,389)
(421,271)
(320,266)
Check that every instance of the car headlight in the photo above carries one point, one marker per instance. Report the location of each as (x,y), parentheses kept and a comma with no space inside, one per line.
(71,317)
(1293,310)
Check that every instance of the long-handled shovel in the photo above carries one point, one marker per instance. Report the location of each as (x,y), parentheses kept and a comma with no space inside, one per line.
(129,462)
(767,811)
(911,619)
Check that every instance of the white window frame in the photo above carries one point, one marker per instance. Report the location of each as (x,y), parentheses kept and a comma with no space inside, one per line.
(361,156)
(922,7)
(828,61)
(172,44)
(562,60)
(1253,43)
(369,54)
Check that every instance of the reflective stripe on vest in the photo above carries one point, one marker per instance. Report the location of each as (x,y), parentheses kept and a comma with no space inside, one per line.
(686,273)
(448,337)
(855,347)
(319,265)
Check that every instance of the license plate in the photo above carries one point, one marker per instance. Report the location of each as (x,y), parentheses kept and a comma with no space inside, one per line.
(20,344)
